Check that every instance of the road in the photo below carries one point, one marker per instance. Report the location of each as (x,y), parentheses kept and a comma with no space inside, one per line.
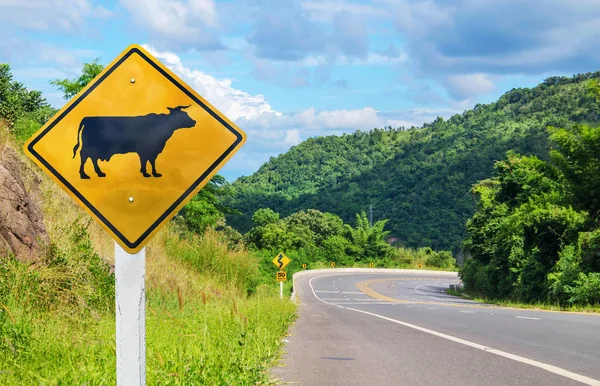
(357,328)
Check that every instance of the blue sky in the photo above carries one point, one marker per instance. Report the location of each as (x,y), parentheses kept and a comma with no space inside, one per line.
(286,70)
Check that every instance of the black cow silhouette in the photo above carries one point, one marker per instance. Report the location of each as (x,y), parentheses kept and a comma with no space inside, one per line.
(146,135)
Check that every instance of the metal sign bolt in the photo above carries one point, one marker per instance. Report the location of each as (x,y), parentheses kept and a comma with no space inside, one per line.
(132,80)
(130,199)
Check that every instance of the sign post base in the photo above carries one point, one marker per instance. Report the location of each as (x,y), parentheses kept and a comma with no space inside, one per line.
(130,275)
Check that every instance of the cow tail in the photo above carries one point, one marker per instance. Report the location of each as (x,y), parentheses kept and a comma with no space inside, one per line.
(78,131)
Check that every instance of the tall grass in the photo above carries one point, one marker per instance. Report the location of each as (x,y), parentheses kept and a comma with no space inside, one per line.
(207,254)
(57,321)
(199,331)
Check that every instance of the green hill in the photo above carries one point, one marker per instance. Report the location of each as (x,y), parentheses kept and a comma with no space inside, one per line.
(419,178)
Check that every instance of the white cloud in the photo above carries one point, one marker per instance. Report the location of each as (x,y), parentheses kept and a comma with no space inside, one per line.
(49,15)
(17,50)
(254,112)
(292,137)
(40,73)
(337,119)
(469,85)
(326,10)
(312,122)
(57,55)
(235,104)
(173,23)
(271,132)
(370,60)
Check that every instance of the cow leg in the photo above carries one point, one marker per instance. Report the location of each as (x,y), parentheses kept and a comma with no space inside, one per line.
(97,168)
(143,162)
(82,174)
(153,163)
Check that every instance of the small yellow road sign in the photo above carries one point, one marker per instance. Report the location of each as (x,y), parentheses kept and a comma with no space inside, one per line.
(371,265)
(332,264)
(281,276)
(134,146)
(304,266)
(420,266)
(281,261)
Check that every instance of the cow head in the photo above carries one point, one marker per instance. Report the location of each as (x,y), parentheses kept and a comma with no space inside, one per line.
(179,119)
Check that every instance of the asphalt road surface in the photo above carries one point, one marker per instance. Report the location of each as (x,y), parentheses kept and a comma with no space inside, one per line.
(402,329)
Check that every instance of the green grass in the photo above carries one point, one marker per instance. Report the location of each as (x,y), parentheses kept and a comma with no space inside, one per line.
(207,254)
(220,342)
(224,343)
(538,306)
(57,320)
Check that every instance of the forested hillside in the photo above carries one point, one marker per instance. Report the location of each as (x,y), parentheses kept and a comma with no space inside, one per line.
(418,178)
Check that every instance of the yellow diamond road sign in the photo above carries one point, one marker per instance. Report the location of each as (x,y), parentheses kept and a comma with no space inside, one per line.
(134,146)
(281,261)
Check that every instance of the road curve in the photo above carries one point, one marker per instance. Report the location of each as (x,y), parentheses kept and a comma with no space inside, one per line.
(371,328)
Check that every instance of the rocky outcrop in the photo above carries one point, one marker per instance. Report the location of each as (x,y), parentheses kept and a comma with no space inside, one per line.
(22,230)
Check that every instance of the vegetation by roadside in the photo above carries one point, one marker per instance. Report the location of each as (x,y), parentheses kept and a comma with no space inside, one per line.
(530,306)
(57,319)
(209,318)
(535,236)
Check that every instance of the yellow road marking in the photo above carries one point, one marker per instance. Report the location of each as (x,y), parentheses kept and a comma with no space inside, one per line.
(364,287)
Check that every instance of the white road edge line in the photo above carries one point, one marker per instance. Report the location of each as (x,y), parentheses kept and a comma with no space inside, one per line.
(361,303)
(526,317)
(353,293)
(544,366)
(329,292)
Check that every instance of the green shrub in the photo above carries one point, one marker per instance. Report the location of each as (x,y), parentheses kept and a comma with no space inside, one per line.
(441,259)
(563,275)
(586,290)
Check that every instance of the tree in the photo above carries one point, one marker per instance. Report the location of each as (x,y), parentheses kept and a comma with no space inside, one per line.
(205,209)
(265,216)
(577,154)
(71,87)
(15,100)
(315,224)
(368,241)
(268,231)
(523,224)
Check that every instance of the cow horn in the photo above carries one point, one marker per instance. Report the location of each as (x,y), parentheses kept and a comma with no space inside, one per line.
(178,108)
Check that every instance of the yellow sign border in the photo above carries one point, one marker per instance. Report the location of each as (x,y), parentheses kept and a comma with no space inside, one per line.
(135,245)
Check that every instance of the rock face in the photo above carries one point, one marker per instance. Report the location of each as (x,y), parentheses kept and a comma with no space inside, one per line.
(22,229)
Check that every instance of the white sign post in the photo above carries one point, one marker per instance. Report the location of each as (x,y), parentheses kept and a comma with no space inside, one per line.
(130,275)
(281,290)
(121,90)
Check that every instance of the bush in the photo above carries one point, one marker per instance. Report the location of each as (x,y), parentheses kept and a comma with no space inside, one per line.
(335,249)
(441,259)
(563,275)
(586,290)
